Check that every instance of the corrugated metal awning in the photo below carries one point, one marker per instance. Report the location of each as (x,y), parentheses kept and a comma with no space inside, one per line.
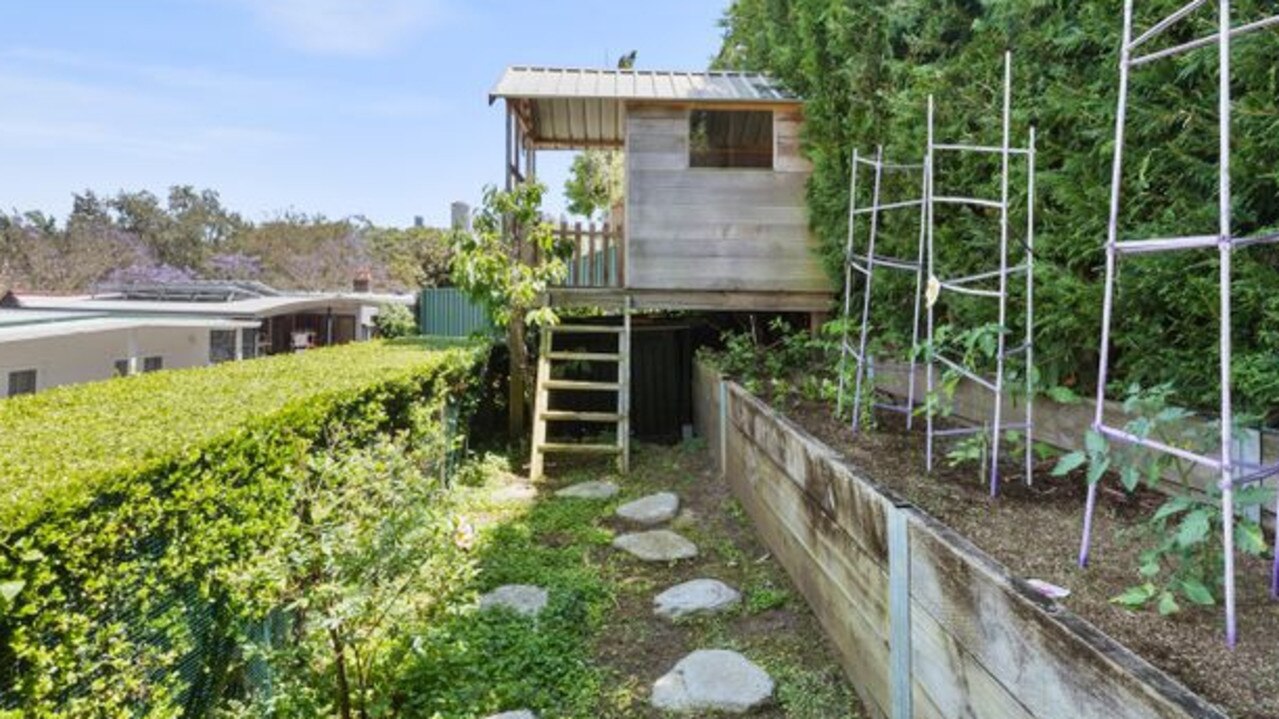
(581,107)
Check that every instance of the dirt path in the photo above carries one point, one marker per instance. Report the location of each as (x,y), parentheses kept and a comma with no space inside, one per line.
(771,626)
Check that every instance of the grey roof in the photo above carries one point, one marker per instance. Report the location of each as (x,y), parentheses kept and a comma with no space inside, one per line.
(580,107)
(21,325)
(710,86)
(255,307)
(191,290)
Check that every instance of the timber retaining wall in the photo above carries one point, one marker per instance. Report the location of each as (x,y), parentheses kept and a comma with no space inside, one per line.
(925,623)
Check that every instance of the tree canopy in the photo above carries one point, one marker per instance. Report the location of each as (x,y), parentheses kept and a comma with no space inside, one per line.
(136,236)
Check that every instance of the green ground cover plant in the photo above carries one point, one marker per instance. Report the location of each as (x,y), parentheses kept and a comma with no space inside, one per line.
(143,519)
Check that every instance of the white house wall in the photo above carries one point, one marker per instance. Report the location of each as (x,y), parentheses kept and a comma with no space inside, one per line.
(87,357)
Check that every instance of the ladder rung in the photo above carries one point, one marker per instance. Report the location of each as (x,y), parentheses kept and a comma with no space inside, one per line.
(562,415)
(580,448)
(597,329)
(585,356)
(581,385)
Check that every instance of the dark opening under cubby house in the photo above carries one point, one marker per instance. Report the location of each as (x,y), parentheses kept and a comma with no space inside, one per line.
(714,216)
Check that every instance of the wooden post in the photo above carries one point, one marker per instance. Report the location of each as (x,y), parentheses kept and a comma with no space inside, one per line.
(597,250)
(619,228)
(610,276)
(815,322)
(541,403)
(584,280)
(575,260)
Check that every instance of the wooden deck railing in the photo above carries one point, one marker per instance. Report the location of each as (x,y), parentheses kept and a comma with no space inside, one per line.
(598,258)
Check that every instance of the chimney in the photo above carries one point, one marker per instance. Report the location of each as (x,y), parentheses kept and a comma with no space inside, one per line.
(461,214)
(363,281)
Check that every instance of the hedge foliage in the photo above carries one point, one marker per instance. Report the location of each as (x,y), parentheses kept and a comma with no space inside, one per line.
(865,69)
(136,512)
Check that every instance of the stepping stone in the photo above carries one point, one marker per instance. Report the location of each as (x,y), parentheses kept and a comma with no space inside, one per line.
(524,599)
(700,596)
(658,545)
(589,490)
(653,509)
(712,680)
(517,714)
(521,492)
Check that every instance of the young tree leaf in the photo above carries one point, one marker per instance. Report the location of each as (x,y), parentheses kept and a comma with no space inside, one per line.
(1249,538)
(1062,395)
(1068,463)
(1168,604)
(1193,529)
(1196,592)
(1094,443)
(1135,597)
(1176,505)
(1096,469)
(1129,477)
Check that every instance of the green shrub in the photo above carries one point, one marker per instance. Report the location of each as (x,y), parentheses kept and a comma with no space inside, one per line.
(394,321)
(136,515)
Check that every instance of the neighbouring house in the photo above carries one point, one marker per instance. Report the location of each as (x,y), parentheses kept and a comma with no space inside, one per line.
(46,341)
(40,349)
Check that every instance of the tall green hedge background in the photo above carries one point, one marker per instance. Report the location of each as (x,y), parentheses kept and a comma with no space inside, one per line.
(865,69)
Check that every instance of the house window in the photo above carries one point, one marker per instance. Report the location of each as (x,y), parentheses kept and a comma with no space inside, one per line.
(221,346)
(730,138)
(152,364)
(249,339)
(22,382)
(122,368)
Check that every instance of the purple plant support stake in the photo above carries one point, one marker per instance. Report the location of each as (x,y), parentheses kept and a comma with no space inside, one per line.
(1112,237)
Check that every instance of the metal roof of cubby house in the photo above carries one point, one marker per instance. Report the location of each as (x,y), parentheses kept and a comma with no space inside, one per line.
(583,107)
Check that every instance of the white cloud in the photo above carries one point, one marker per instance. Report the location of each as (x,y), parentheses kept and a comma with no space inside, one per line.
(345,27)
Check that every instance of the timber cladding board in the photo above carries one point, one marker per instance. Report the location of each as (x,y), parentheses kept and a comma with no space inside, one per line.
(716,186)
(707,247)
(983,643)
(716,273)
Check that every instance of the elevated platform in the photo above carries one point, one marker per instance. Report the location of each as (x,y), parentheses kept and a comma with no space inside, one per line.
(706,300)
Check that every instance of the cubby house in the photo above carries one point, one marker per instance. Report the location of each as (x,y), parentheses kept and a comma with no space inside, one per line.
(714,216)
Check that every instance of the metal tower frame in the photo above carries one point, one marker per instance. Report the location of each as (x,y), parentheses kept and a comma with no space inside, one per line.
(865,264)
(1232,473)
(964,285)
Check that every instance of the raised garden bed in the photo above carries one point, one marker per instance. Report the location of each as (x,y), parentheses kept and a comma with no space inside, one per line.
(982,640)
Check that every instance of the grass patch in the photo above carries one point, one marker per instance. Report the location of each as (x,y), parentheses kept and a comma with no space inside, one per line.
(597,648)
(472,664)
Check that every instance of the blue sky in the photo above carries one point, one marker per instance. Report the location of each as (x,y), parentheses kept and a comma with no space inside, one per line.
(340,107)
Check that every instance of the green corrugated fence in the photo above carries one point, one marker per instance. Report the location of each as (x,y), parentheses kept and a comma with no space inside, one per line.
(447,312)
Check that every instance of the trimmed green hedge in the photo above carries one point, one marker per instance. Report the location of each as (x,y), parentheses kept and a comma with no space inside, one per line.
(133,510)
(58,446)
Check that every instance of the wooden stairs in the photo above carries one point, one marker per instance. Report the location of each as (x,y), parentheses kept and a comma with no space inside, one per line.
(620,418)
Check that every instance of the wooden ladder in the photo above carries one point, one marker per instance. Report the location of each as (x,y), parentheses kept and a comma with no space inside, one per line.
(543,414)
